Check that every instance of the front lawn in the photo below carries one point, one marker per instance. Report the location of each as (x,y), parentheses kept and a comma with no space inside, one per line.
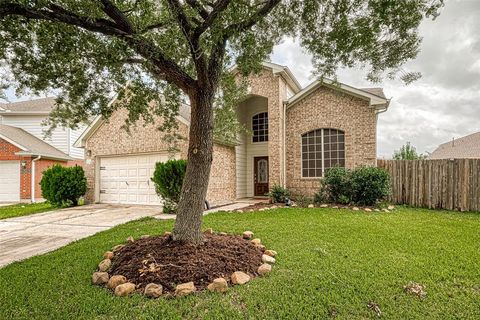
(331,263)
(23,209)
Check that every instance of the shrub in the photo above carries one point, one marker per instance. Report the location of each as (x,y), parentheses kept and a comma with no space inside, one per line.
(336,185)
(278,194)
(369,185)
(63,186)
(303,201)
(320,197)
(363,186)
(168,178)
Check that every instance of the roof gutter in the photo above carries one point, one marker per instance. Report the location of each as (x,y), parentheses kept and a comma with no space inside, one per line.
(33,177)
(44,156)
(383,108)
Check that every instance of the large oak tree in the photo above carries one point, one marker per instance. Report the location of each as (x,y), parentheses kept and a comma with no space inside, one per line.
(163,50)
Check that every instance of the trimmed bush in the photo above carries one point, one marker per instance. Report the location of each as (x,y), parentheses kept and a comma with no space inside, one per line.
(278,194)
(336,185)
(362,186)
(168,178)
(369,185)
(63,186)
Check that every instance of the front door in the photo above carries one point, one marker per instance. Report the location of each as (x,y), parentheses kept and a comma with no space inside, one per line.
(260,176)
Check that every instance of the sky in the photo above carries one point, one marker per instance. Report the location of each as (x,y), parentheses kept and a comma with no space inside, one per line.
(443,104)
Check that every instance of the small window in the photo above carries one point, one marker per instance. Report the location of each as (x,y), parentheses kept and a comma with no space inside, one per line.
(260,127)
(322,149)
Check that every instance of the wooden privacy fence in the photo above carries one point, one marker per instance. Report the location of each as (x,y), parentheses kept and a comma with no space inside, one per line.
(439,184)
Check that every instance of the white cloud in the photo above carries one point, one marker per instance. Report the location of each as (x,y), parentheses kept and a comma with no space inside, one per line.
(444,103)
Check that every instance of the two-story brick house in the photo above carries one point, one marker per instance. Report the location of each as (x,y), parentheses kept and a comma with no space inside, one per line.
(25,152)
(295,135)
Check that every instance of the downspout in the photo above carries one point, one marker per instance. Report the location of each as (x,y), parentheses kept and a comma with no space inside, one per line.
(377,112)
(33,177)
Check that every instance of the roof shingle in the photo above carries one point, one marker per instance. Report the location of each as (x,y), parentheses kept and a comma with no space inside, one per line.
(44,105)
(467,147)
(30,143)
(376,91)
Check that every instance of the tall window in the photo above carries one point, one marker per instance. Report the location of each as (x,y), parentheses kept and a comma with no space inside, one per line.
(260,127)
(322,149)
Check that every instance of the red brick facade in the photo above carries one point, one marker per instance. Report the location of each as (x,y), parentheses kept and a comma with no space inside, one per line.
(7,152)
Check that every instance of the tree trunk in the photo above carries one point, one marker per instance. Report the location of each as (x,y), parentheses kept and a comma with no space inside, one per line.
(188,224)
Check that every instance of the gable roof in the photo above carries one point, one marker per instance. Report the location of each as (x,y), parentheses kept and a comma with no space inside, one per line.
(374,96)
(462,148)
(30,145)
(283,71)
(36,106)
(376,91)
(183,116)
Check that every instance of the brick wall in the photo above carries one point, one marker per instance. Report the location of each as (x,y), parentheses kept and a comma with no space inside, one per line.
(328,108)
(111,139)
(273,87)
(7,152)
(222,185)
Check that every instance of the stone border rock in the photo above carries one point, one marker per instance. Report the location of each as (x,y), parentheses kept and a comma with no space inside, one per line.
(266,207)
(122,288)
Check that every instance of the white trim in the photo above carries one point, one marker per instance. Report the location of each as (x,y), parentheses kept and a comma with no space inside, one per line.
(251,123)
(286,73)
(69,145)
(282,71)
(80,142)
(13,142)
(7,112)
(323,151)
(374,100)
(33,178)
(44,155)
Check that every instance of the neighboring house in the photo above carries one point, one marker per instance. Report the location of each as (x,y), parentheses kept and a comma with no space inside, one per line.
(467,147)
(24,151)
(296,134)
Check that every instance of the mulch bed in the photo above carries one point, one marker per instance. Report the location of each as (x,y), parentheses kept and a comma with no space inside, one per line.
(163,261)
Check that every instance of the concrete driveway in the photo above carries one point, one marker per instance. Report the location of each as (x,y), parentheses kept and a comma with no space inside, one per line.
(23,237)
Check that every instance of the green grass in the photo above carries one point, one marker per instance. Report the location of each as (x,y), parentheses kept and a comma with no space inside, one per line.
(23,209)
(328,260)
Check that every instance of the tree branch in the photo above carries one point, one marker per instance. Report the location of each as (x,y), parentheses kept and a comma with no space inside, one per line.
(199,8)
(254,18)
(218,8)
(153,27)
(192,39)
(118,16)
(169,70)
(59,14)
(180,16)
(218,51)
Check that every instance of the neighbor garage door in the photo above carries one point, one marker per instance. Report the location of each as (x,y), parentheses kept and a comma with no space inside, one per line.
(126,179)
(9,181)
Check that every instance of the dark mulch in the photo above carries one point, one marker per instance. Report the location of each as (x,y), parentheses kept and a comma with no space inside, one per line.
(163,261)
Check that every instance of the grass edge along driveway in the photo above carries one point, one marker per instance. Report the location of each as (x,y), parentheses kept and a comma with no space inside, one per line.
(23,209)
(331,263)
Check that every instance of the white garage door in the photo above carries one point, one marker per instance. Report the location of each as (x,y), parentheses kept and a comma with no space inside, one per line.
(126,179)
(9,181)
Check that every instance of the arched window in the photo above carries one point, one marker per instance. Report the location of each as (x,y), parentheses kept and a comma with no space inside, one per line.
(260,127)
(322,149)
